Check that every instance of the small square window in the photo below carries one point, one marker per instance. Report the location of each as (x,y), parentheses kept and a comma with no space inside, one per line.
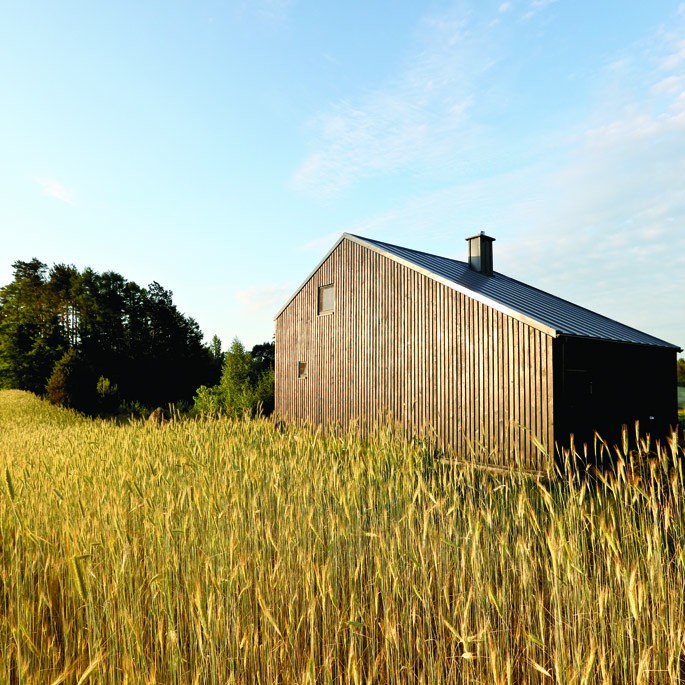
(301,369)
(326,299)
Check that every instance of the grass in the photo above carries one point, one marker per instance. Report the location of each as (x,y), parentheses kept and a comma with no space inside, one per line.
(229,552)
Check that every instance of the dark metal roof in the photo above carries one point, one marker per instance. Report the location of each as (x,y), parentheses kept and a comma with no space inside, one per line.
(553,312)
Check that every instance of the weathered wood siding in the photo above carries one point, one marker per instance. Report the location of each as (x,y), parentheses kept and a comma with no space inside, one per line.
(401,345)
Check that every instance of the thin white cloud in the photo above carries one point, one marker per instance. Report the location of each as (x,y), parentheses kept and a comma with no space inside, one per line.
(538,6)
(410,123)
(55,189)
(321,244)
(675,57)
(669,85)
(263,300)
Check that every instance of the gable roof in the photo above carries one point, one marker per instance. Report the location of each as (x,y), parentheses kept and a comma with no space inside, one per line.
(543,311)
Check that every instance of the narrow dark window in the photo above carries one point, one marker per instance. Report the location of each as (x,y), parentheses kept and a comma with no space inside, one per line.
(326,299)
(301,369)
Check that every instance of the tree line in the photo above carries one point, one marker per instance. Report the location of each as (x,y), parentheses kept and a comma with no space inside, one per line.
(94,340)
(101,344)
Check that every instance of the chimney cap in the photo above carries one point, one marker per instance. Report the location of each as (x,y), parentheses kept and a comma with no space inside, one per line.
(482,236)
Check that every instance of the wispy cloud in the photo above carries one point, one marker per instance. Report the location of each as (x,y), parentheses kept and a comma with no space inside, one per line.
(55,189)
(537,6)
(321,244)
(410,122)
(434,119)
(263,300)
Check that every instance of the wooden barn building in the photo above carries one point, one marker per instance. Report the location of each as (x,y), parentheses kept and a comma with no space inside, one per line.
(464,355)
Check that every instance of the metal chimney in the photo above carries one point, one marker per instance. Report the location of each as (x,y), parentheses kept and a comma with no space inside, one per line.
(480,253)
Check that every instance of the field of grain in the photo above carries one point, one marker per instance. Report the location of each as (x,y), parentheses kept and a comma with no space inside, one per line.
(230,552)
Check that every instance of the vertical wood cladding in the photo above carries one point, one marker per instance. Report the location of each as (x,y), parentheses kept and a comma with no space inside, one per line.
(401,346)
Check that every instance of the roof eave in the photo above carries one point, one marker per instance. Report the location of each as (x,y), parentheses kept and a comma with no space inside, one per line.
(663,344)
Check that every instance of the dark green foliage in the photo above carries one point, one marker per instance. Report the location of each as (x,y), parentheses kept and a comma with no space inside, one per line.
(264,391)
(681,372)
(247,383)
(264,356)
(72,383)
(133,337)
(31,339)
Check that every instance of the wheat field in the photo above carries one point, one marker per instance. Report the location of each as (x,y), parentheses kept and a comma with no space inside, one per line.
(222,551)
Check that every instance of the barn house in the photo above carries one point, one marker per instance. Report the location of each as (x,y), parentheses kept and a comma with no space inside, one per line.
(460,353)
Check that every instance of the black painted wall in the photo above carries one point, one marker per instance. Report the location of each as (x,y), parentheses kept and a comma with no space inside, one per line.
(602,386)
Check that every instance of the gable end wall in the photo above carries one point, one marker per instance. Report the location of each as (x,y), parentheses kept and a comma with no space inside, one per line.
(404,346)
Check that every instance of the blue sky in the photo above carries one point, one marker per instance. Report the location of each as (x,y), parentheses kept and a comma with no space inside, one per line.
(221,148)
